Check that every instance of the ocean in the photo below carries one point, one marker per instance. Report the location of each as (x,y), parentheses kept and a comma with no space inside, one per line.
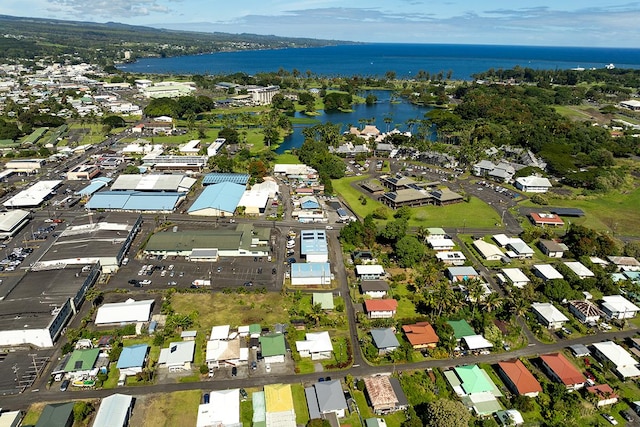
(404,59)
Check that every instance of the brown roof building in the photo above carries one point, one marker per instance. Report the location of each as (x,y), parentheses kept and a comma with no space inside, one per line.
(518,378)
(385,394)
(560,369)
(421,335)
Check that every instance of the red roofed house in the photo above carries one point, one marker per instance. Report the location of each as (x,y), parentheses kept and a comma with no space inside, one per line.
(518,378)
(559,369)
(546,219)
(604,393)
(421,335)
(380,308)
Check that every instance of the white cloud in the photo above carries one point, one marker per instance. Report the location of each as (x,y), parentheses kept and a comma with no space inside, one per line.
(109,9)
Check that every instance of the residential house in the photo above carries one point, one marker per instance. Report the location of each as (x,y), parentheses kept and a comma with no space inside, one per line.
(385,340)
(81,362)
(552,248)
(440,244)
(488,251)
(625,263)
(437,233)
(518,378)
(380,308)
(273,348)
(317,346)
(549,315)
(451,257)
(604,395)
(279,407)
(559,369)
(476,343)
(517,248)
(546,272)
(324,398)
(618,307)
(515,277)
(475,388)
(461,328)
(421,335)
(132,359)
(374,288)
(369,272)
(225,352)
(178,356)
(385,394)
(363,257)
(579,269)
(510,418)
(624,363)
(462,273)
(223,409)
(585,311)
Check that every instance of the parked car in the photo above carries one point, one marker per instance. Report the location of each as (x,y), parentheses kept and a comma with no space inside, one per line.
(254,365)
(234,371)
(244,394)
(133,282)
(610,419)
(65,385)
(205,398)
(210,372)
(267,368)
(145,282)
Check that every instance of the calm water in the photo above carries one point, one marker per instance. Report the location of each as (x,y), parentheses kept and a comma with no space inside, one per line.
(405,59)
(400,113)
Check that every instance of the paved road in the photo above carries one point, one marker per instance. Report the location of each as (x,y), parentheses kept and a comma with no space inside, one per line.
(22,401)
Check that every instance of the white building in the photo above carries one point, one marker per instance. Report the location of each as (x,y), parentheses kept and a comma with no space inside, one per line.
(178,356)
(489,251)
(618,307)
(130,311)
(549,315)
(317,345)
(223,409)
(34,195)
(580,269)
(546,272)
(515,277)
(114,411)
(585,311)
(441,244)
(533,184)
(625,365)
(369,272)
(451,257)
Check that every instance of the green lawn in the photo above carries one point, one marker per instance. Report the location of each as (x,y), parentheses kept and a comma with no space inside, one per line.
(300,404)
(614,212)
(287,158)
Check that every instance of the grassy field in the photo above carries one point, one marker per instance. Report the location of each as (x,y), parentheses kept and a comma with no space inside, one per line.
(472,214)
(615,212)
(237,309)
(167,409)
(300,404)
(287,159)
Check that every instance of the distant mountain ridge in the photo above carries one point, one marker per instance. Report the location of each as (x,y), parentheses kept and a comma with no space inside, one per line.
(106,43)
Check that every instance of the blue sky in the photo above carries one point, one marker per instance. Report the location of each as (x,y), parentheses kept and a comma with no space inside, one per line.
(605,23)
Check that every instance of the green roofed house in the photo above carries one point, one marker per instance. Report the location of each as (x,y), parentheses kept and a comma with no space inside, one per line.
(461,329)
(255,330)
(475,388)
(325,299)
(82,361)
(56,415)
(273,348)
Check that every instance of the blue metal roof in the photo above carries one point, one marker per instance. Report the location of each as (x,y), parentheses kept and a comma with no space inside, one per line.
(219,178)
(310,269)
(223,197)
(132,356)
(134,200)
(313,242)
(96,184)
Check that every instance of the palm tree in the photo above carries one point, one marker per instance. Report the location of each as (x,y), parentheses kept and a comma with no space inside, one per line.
(423,233)
(475,292)
(492,302)
(388,120)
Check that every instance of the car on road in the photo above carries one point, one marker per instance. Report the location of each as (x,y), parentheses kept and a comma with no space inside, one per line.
(247,284)
(610,419)
(328,227)
(210,372)
(291,260)
(234,372)
(65,385)
(267,368)
(145,282)
(274,270)
(627,416)
(254,365)
(219,269)
(172,283)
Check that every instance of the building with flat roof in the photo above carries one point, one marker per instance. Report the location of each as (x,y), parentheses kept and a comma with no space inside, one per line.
(36,310)
(26,166)
(245,240)
(95,185)
(153,182)
(176,163)
(135,201)
(533,184)
(218,200)
(34,195)
(12,221)
(105,238)
(313,245)
(129,311)
(83,172)
(310,274)
(219,177)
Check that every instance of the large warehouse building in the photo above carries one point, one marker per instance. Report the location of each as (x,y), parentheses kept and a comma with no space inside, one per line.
(105,238)
(245,240)
(218,200)
(36,310)
(12,221)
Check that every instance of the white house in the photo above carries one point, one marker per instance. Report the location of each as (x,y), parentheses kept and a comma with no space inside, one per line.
(178,356)
(451,257)
(625,365)
(549,315)
(580,269)
(489,251)
(618,307)
(546,272)
(533,184)
(317,345)
(223,409)
(515,277)
(440,244)
(369,272)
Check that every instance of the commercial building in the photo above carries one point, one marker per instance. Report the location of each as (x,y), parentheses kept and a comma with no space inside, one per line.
(25,166)
(313,245)
(37,309)
(129,311)
(533,184)
(114,411)
(135,201)
(33,196)
(243,241)
(219,200)
(12,221)
(219,178)
(104,238)
(310,274)
(178,183)
(175,163)
(83,172)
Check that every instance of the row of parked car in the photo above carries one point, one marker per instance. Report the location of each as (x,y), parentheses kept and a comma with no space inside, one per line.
(14,259)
